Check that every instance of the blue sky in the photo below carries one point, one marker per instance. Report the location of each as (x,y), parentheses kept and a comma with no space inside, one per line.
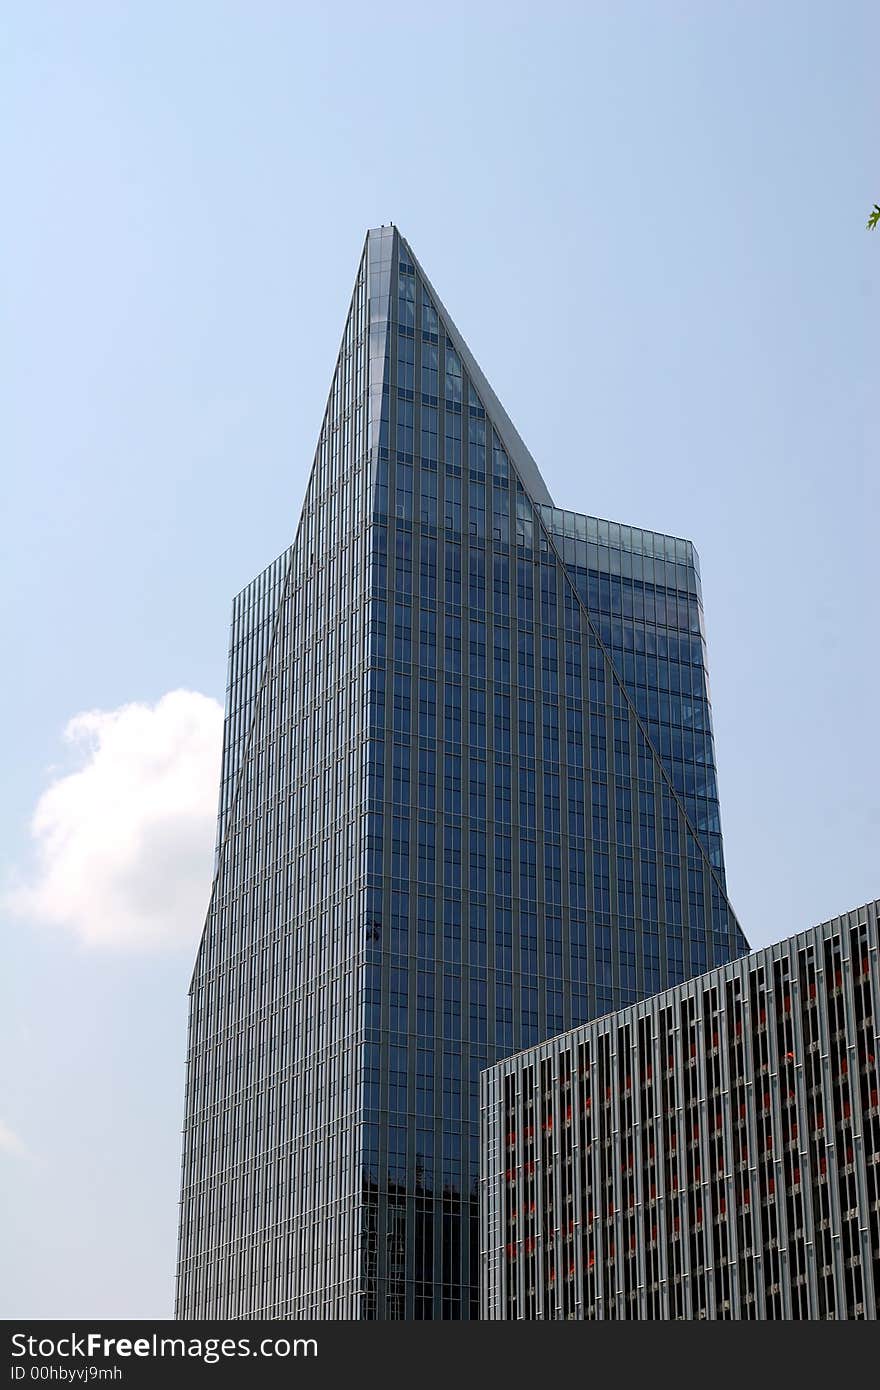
(647,220)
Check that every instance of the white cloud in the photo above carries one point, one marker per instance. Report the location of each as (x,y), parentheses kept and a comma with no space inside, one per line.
(10,1142)
(124,845)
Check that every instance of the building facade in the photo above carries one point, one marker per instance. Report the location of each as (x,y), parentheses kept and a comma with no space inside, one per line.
(713,1152)
(468,801)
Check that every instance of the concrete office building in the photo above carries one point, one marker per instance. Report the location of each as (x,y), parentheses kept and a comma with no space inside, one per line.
(711,1152)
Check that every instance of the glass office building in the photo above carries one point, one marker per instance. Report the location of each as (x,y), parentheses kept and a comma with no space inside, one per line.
(468,801)
(713,1152)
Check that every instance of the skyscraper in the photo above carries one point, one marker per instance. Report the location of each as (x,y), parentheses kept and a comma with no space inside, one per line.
(468,800)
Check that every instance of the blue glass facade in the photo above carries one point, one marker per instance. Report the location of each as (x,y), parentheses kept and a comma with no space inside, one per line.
(642,591)
(469,801)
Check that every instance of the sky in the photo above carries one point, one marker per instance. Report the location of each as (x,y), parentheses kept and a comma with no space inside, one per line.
(648,221)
